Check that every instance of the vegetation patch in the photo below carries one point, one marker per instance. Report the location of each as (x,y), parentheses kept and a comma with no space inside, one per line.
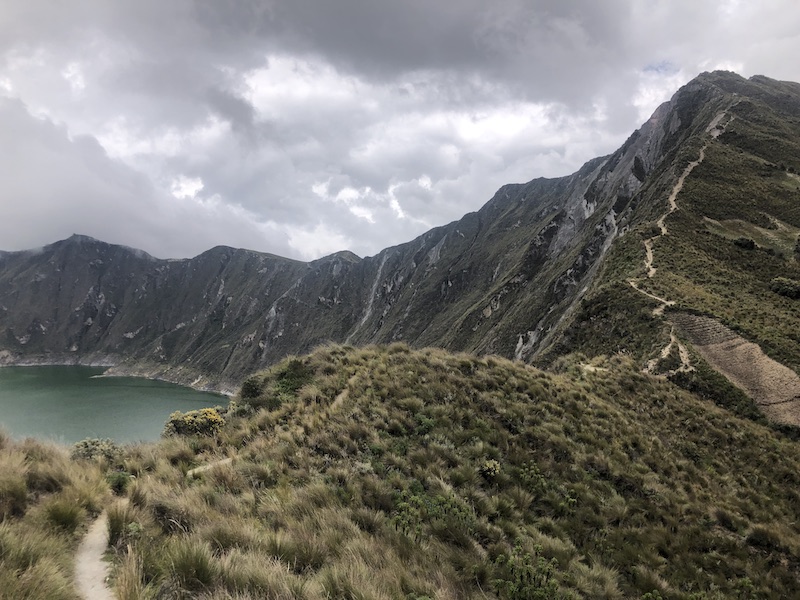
(414,474)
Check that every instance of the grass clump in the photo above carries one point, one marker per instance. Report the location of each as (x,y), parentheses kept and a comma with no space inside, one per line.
(425,474)
(46,500)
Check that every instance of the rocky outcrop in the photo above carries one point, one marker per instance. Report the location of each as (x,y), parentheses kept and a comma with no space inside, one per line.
(501,280)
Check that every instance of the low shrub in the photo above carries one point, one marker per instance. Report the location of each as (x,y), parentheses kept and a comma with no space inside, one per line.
(118,481)
(520,576)
(206,421)
(786,287)
(745,243)
(252,387)
(94,448)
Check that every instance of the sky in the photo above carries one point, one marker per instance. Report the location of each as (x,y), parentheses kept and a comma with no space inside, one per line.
(306,127)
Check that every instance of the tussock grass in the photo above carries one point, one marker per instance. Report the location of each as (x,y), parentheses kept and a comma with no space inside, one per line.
(450,476)
(46,499)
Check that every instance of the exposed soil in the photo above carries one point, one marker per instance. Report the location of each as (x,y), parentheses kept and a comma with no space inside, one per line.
(773,386)
(91,571)
(203,468)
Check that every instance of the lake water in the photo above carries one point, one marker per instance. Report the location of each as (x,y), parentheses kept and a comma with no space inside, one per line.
(68,404)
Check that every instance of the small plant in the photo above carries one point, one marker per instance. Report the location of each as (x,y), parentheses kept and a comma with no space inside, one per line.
(94,449)
(520,576)
(490,469)
(206,421)
(786,287)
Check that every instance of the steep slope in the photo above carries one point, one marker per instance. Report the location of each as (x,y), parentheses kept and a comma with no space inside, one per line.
(492,282)
(697,213)
(390,473)
(714,245)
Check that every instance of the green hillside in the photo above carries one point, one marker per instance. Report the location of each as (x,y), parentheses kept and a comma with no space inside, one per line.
(655,456)
(389,473)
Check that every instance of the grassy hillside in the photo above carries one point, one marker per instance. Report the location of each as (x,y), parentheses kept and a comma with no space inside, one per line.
(731,250)
(46,500)
(390,473)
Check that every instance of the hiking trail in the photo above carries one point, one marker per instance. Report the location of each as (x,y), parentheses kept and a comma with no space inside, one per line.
(714,130)
(91,571)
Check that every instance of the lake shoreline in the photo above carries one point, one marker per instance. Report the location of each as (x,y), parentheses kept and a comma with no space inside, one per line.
(66,403)
(119,367)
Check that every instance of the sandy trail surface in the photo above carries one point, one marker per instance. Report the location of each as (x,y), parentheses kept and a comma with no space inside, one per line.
(91,571)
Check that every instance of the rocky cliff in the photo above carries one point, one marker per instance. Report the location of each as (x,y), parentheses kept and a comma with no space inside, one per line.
(515,278)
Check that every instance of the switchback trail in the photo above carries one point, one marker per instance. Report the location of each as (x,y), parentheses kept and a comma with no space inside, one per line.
(713,130)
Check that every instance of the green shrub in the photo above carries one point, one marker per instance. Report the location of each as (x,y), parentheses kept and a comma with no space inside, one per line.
(94,448)
(745,243)
(206,421)
(519,577)
(786,287)
(118,481)
(294,375)
(252,387)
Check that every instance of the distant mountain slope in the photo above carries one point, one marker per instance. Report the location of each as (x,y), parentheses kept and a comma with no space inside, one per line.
(719,250)
(553,266)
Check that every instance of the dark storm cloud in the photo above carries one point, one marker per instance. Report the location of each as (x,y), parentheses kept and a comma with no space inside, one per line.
(301,127)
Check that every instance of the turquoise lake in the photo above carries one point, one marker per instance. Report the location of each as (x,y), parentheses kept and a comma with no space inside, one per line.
(68,404)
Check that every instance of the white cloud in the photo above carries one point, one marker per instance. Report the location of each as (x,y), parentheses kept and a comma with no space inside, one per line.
(317,241)
(379,120)
(186,187)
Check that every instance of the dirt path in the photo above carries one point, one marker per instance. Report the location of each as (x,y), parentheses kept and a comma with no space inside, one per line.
(773,386)
(91,571)
(714,129)
(203,468)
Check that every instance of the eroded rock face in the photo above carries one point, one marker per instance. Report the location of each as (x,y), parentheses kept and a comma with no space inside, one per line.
(499,280)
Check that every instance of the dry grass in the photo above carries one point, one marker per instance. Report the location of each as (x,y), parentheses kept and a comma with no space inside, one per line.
(450,476)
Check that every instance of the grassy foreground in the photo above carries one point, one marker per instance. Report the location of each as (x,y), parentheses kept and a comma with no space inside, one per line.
(46,499)
(391,473)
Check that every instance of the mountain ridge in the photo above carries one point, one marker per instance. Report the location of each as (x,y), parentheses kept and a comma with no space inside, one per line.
(519,277)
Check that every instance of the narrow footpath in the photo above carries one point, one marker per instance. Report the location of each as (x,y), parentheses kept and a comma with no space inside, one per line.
(713,130)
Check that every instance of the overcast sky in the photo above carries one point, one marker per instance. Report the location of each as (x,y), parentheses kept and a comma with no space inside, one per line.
(304,127)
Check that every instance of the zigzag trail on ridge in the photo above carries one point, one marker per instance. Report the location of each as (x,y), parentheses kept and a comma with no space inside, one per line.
(714,131)
(773,386)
